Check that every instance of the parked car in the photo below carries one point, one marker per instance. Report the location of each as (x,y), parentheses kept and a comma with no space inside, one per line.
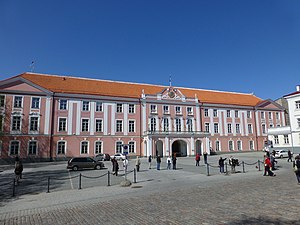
(102,157)
(84,163)
(118,156)
(281,153)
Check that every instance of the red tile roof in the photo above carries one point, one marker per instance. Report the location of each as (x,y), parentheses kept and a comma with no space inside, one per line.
(75,85)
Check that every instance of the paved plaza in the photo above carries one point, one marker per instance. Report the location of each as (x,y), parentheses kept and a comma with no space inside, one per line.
(183,196)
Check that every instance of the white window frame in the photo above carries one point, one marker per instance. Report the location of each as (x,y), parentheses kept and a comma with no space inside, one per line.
(276,139)
(39,102)
(10,145)
(178,125)
(98,151)
(251,145)
(88,124)
(60,104)
(189,125)
(58,124)
(119,124)
(237,128)
(81,147)
(249,116)
(166,109)
(12,123)
(38,124)
(99,106)
(230,145)
(250,129)
(236,113)
(263,128)
(215,112)
(119,146)
(239,145)
(2,101)
(119,107)
(96,125)
(229,128)
(189,110)
(131,127)
(130,144)
(206,114)
(131,108)
(228,113)
(286,139)
(85,106)
(166,124)
(153,108)
(1,122)
(65,147)
(297,104)
(216,128)
(22,101)
(207,127)
(28,145)
(152,124)
(178,110)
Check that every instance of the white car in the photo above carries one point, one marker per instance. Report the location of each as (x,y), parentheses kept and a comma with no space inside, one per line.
(118,156)
(281,153)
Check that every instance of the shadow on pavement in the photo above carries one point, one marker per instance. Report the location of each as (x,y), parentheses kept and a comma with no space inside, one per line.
(264,221)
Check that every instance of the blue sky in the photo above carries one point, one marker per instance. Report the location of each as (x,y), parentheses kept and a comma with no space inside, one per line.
(230,45)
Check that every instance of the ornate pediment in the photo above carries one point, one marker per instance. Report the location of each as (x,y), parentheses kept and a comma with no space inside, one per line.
(172,93)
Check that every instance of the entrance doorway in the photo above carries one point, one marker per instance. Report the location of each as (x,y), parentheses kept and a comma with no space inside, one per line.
(180,148)
(159,148)
(198,147)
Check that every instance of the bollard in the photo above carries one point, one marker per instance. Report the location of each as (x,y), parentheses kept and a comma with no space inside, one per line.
(79,181)
(134,175)
(48,191)
(243,166)
(14,188)
(258,165)
(108,178)
(207,169)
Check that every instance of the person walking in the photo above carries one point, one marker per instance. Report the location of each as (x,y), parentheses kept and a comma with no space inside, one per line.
(115,166)
(158,161)
(168,163)
(205,157)
(268,165)
(125,164)
(197,159)
(174,159)
(18,169)
(296,166)
(221,164)
(149,161)
(232,164)
(290,156)
(138,163)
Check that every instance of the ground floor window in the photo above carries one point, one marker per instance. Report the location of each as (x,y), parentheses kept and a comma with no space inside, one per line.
(217,146)
(251,145)
(98,147)
(32,148)
(84,147)
(61,148)
(230,145)
(14,148)
(131,146)
(239,145)
(119,145)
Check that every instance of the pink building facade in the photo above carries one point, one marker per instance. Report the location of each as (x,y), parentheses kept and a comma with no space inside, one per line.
(47,117)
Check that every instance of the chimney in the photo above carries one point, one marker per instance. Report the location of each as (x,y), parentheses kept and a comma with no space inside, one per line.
(298,87)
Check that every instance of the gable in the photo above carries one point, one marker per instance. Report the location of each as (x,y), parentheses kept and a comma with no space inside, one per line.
(269,104)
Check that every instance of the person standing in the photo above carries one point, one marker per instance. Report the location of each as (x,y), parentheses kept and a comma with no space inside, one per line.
(221,164)
(168,163)
(290,156)
(158,161)
(137,163)
(232,164)
(296,165)
(115,166)
(18,169)
(197,159)
(174,159)
(268,165)
(125,164)
(205,157)
(149,161)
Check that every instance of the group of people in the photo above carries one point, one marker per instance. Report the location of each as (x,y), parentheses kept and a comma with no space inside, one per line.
(170,161)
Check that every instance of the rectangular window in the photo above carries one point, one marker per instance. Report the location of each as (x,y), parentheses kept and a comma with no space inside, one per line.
(61,148)
(263,127)
(131,126)
(178,124)
(166,124)
(85,106)
(62,124)
(16,123)
(131,147)
(34,123)
(99,107)
(215,112)
(216,128)
(286,139)
(229,128)
(32,148)
(248,114)
(251,145)
(85,125)
(236,113)
(152,124)
(276,139)
(2,100)
(35,103)
(297,104)
(239,145)
(230,145)
(178,110)
(298,122)
(189,110)
(18,102)
(98,125)
(217,146)
(270,115)
(262,115)
(63,104)
(166,109)
(119,146)
(84,147)
(277,115)
(119,108)
(131,108)
(237,128)
(1,123)
(14,148)
(153,109)
(189,125)
(119,126)
(207,127)
(206,112)
(228,113)
(250,131)
(98,147)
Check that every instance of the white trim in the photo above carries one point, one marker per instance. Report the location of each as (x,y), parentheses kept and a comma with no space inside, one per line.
(57,147)
(134,126)
(95,121)
(88,147)
(117,126)
(57,129)
(113,116)
(105,118)
(78,119)
(89,122)
(39,103)
(10,147)
(22,103)
(38,125)
(70,118)
(47,115)
(92,117)
(198,119)
(37,147)
(11,125)
(101,150)
(125,122)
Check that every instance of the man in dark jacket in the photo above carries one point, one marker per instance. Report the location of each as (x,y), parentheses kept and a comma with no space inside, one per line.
(221,164)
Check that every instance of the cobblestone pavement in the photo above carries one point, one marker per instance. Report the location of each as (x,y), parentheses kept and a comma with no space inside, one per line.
(182,196)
